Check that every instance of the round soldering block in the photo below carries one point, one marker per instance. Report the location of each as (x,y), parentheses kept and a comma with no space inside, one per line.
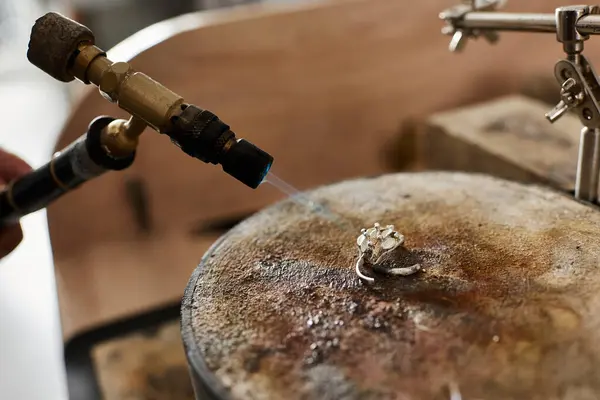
(53,44)
(505,305)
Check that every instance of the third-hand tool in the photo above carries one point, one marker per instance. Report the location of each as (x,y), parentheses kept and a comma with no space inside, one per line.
(580,87)
(66,50)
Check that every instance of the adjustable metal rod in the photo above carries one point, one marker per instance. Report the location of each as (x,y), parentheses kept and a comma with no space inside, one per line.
(524,22)
(589,25)
(588,165)
(498,21)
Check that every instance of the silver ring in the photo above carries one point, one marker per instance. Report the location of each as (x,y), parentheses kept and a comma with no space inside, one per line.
(374,244)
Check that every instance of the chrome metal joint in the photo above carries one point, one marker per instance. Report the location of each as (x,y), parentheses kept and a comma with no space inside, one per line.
(566,28)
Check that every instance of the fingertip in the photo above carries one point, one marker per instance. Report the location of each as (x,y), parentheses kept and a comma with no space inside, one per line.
(10,238)
(12,166)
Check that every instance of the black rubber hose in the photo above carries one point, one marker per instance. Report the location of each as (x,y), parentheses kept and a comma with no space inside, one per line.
(82,160)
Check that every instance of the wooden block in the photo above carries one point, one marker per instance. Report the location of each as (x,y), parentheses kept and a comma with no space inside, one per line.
(508,138)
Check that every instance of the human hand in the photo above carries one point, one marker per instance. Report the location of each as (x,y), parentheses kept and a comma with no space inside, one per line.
(11,167)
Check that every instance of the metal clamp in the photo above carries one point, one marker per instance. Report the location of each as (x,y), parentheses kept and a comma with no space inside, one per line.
(460,36)
(580,86)
(580,92)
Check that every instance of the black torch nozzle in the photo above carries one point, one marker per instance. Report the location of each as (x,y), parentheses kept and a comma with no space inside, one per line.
(202,135)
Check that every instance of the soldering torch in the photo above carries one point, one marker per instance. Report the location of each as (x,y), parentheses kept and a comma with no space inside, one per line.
(66,50)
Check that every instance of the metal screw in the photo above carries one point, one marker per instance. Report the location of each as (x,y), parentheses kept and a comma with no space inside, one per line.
(458,42)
